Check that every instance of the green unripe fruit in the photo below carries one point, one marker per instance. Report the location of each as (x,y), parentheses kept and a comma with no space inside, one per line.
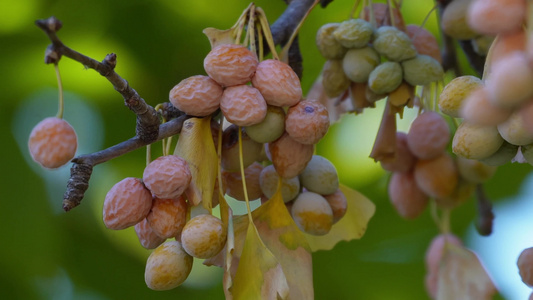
(354,33)
(422,70)
(505,154)
(394,44)
(268,181)
(320,176)
(328,46)
(271,128)
(359,63)
(334,80)
(385,78)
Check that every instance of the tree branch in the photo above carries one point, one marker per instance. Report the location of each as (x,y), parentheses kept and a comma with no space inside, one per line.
(147,119)
(283,27)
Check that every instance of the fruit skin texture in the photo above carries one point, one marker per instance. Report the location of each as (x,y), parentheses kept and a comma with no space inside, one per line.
(271,128)
(394,44)
(424,41)
(147,237)
(503,155)
(167,267)
(476,141)
(243,105)
(404,160)
(230,64)
(334,80)
(277,82)
(405,195)
(127,203)
(496,16)
(230,149)
(234,182)
(454,20)
(525,266)
(359,63)
(167,216)
(428,136)
(437,177)
(455,92)
(203,236)
(196,96)
(320,176)
(479,109)
(474,171)
(326,43)
(338,203)
(268,181)
(354,33)
(53,142)
(422,70)
(307,122)
(513,130)
(167,177)
(312,213)
(288,156)
(385,78)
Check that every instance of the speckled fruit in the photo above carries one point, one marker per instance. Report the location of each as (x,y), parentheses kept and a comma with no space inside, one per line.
(424,41)
(334,81)
(277,82)
(203,236)
(167,177)
(230,149)
(394,44)
(403,160)
(328,46)
(288,156)
(478,109)
(230,64)
(338,203)
(455,92)
(196,96)
(474,170)
(243,105)
(385,78)
(454,20)
(167,267)
(354,33)
(234,182)
(268,181)
(147,237)
(167,216)
(53,142)
(422,70)
(312,213)
(271,128)
(513,130)
(437,177)
(127,203)
(476,141)
(405,195)
(359,63)
(428,136)
(320,176)
(307,122)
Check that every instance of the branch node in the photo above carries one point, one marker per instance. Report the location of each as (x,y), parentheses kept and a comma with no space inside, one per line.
(51,55)
(110,60)
(80,173)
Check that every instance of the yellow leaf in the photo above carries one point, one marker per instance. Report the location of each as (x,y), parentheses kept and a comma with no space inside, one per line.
(351,226)
(196,146)
(218,37)
(461,276)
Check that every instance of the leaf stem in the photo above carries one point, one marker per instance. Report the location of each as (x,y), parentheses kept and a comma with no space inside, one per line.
(60,89)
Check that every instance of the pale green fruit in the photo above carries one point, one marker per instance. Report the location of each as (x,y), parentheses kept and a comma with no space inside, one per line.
(167,267)
(475,171)
(394,44)
(422,70)
(252,150)
(268,181)
(312,213)
(481,44)
(476,142)
(328,46)
(455,92)
(320,176)
(359,63)
(271,128)
(334,80)
(454,20)
(385,78)
(513,130)
(354,33)
(505,154)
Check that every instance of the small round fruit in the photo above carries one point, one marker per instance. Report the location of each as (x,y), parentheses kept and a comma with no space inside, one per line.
(53,142)
(167,216)
(479,109)
(147,237)
(234,182)
(271,128)
(167,177)
(507,43)
(422,70)
(385,78)
(338,203)
(203,236)
(437,177)
(196,96)
(359,63)
(405,195)
(288,156)
(496,16)
(503,155)
(243,105)
(514,131)
(127,203)
(230,64)
(475,141)
(320,176)
(167,267)
(436,249)
(354,33)
(424,41)
(455,92)
(268,181)
(454,20)
(328,46)
(525,266)
(277,82)
(307,122)
(475,171)
(251,150)
(403,160)
(312,213)
(428,136)
(394,44)
(463,191)
(334,81)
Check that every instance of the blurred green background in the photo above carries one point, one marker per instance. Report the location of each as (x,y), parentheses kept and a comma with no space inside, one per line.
(48,254)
